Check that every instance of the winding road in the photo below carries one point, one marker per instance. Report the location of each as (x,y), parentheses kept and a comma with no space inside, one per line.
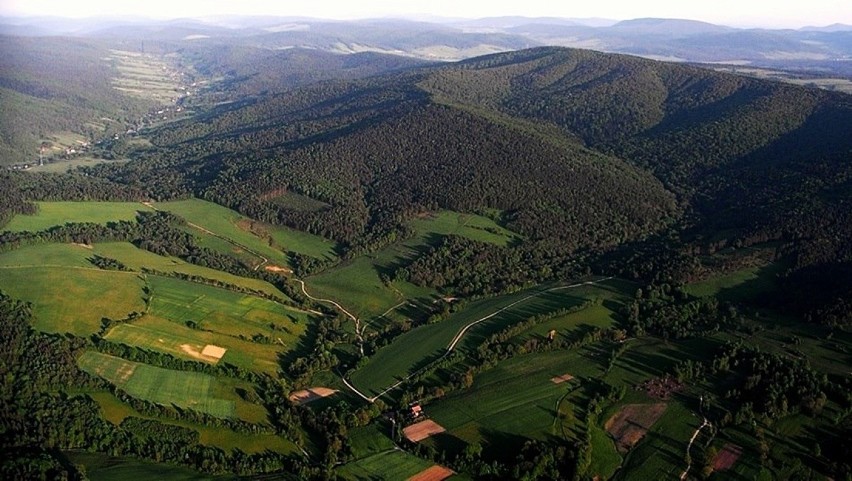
(458,337)
(688,446)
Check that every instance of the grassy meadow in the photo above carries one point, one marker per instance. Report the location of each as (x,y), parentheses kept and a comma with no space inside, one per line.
(414,349)
(357,286)
(59,213)
(173,338)
(389,465)
(269,241)
(189,390)
(102,467)
(71,255)
(74,299)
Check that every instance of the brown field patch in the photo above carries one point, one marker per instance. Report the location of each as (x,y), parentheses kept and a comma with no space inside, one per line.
(561,379)
(422,430)
(727,457)
(209,353)
(278,269)
(307,395)
(213,351)
(84,246)
(630,424)
(435,473)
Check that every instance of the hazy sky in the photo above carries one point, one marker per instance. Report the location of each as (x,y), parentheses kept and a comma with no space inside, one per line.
(778,13)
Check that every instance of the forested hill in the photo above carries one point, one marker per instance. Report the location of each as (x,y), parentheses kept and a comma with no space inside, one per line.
(583,149)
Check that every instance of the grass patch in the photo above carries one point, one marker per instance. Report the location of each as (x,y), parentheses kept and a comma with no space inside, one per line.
(189,390)
(137,259)
(740,285)
(391,465)
(102,467)
(357,284)
(605,458)
(60,213)
(169,337)
(226,312)
(62,166)
(417,347)
(224,222)
(368,440)
(295,201)
(472,226)
(74,299)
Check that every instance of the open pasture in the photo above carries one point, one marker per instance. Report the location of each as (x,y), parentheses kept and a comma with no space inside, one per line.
(517,398)
(189,390)
(393,465)
(226,312)
(74,299)
(414,349)
(58,213)
(73,255)
(102,467)
(287,239)
(223,222)
(137,259)
(169,337)
(61,166)
(357,285)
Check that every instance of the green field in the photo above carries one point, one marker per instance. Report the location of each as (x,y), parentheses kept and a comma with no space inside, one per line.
(393,465)
(137,259)
(739,285)
(229,224)
(472,226)
(72,255)
(173,338)
(74,299)
(415,348)
(61,166)
(189,390)
(356,284)
(101,467)
(59,213)
(115,411)
(516,398)
(226,312)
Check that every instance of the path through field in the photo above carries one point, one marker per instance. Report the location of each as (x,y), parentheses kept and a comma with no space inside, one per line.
(458,337)
(688,446)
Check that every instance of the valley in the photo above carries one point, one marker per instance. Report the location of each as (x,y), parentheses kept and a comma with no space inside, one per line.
(540,263)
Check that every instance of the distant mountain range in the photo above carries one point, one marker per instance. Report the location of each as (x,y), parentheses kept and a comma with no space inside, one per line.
(454,39)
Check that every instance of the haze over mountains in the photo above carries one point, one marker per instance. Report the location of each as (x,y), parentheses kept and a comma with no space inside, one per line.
(452,39)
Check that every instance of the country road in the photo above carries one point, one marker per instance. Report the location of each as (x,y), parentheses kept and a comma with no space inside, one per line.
(458,337)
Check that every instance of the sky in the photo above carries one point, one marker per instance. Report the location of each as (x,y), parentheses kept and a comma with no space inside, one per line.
(739,13)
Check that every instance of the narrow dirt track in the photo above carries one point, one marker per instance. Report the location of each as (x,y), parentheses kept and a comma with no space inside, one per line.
(458,337)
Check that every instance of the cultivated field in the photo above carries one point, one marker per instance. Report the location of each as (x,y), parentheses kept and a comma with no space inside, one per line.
(74,299)
(421,430)
(632,422)
(189,390)
(136,259)
(59,213)
(144,76)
